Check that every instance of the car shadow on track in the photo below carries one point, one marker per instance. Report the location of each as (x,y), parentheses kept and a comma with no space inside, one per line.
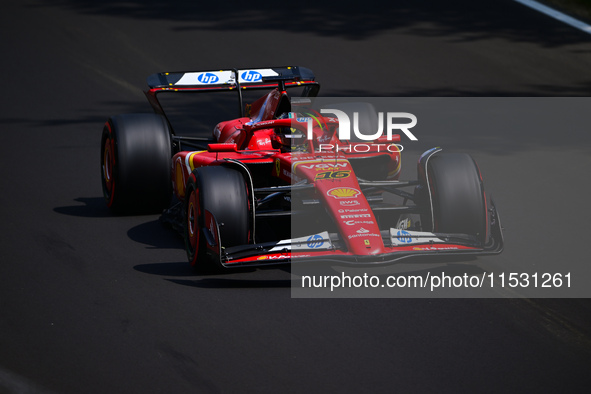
(239,278)
(156,235)
(223,283)
(166,269)
(280,276)
(275,279)
(94,207)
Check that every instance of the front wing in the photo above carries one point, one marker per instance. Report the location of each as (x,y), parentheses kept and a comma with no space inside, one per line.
(399,244)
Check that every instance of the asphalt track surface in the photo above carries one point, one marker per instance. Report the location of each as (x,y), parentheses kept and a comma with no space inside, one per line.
(99,304)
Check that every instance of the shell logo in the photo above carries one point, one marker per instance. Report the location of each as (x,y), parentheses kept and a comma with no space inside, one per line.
(343,192)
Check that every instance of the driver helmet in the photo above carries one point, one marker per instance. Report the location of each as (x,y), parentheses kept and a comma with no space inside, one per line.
(290,138)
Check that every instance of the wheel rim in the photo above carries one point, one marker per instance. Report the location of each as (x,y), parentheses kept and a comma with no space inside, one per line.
(193,213)
(108,165)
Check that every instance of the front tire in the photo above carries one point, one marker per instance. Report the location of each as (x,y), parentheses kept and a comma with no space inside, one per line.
(224,193)
(135,163)
(456,195)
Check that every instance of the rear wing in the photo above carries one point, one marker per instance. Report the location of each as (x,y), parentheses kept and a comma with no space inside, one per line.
(231,79)
(226,79)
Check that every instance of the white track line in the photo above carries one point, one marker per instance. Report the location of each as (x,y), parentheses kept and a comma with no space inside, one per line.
(556,15)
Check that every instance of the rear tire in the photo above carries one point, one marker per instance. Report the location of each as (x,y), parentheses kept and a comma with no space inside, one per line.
(223,192)
(457,196)
(135,163)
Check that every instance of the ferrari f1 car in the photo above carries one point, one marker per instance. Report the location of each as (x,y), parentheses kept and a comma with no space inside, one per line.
(262,190)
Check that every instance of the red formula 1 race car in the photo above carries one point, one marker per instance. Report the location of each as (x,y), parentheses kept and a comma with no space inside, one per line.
(277,185)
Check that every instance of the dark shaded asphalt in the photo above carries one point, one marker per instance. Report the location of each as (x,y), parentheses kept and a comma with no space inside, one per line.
(93,303)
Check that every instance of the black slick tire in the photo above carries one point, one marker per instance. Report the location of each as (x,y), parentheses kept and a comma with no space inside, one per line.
(223,192)
(456,195)
(135,163)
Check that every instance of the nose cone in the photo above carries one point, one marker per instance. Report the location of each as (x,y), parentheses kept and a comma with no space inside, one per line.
(337,186)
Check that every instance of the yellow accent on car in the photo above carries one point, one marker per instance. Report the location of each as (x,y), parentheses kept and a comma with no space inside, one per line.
(343,192)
